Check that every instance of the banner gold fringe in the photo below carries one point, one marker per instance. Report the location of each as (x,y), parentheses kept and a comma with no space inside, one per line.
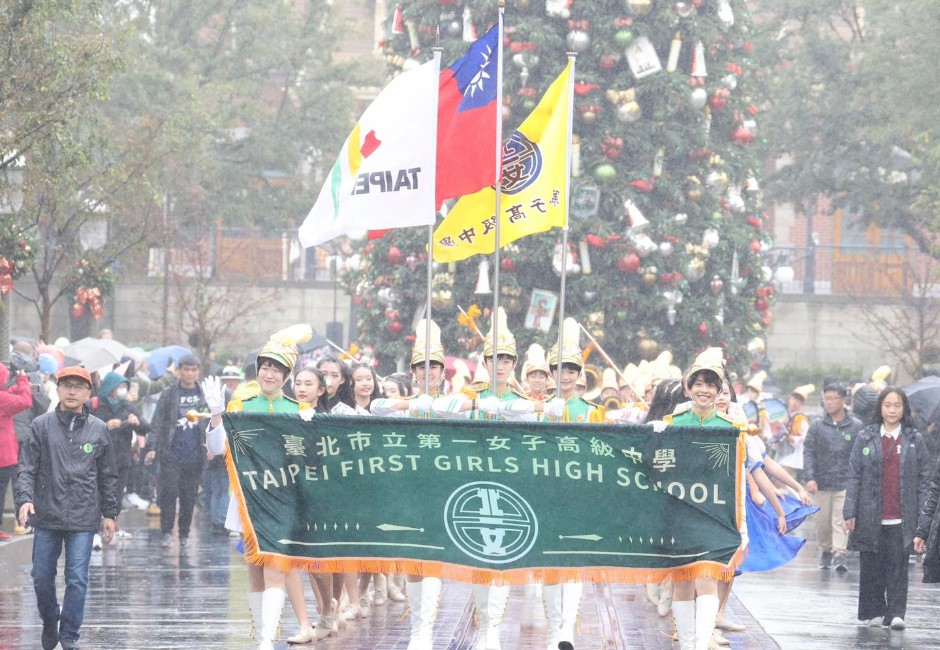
(460,573)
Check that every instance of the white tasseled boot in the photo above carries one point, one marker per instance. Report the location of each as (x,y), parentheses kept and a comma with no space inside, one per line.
(570,604)
(706,613)
(491,603)
(380,595)
(272,604)
(551,596)
(254,613)
(430,601)
(532,609)
(683,611)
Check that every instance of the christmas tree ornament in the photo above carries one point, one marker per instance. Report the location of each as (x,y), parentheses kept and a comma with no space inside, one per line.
(642,58)
(398,20)
(665,248)
(558,8)
(588,295)
(507,264)
(675,47)
(643,244)
(757,348)
(695,269)
(729,81)
(710,238)
(585,256)
(623,37)
(741,134)
(638,223)
(658,162)
(608,61)
(720,98)
(629,263)
(681,218)
(703,330)
(395,327)
(413,39)
(411,261)
(578,39)
(647,348)
(575,155)
(716,285)
(735,202)
(650,274)
(454,27)
(698,61)
(672,298)
(698,97)
(605,173)
(571,263)
(639,7)
(395,256)
(725,13)
(469,30)
(483,278)
(683,9)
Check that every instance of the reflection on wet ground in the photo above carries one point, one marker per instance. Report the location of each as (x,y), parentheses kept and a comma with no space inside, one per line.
(143,596)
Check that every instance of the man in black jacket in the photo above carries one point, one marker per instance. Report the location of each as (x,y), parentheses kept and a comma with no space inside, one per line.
(180,447)
(825,463)
(66,488)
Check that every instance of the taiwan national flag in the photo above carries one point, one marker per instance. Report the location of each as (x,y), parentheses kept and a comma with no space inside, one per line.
(466,120)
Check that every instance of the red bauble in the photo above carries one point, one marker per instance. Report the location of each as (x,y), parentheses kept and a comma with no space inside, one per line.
(703,330)
(720,98)
(395,256)
(762,305)
(741,134)
(629,263)
(608,62)
(395,327)
(596,241)
(755,245)
(507,264)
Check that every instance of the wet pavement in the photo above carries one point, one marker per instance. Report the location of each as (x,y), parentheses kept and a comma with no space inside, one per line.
(143,596)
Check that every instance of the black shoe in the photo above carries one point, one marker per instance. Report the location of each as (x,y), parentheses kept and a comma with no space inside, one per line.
(50,635)
(69,644)
(184,540)
(840,565)
(825,560)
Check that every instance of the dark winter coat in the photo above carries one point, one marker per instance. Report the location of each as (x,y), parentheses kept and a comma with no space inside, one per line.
(826,451)
(165,417)
(106,408)
(67,471)
(928,528)
(863,491)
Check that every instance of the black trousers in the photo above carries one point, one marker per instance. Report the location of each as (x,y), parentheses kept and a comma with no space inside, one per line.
(7,476)
(177,482)
(882,588)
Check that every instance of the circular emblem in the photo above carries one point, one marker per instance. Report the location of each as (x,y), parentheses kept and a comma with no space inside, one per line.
(88,447)
(522,163)
(490,522)
(866,451)
(848,436)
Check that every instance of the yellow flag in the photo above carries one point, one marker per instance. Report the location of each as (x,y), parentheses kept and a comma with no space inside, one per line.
(533,186)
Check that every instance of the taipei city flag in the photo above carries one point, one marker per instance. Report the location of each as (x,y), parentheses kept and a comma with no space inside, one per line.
(535,166)
(466,120)
(384,176)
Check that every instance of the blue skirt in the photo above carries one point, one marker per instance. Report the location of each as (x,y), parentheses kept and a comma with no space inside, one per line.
(768,550)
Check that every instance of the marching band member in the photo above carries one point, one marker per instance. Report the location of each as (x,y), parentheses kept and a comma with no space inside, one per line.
(276,360)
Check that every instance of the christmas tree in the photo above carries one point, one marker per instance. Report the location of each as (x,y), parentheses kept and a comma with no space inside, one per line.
(665,229)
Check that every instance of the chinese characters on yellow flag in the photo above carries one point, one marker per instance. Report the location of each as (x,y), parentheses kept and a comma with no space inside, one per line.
(533,186)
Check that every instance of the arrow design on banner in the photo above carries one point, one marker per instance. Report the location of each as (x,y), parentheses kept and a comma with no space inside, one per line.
(392,528)
(587,538)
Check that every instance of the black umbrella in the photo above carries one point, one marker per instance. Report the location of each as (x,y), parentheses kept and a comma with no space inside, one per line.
(924,396)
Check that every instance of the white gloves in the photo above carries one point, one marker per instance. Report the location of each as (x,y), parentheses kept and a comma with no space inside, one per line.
(214,393)
(306,414)
(659,425)
(489,405)
(448,408)
(555,407)
(420,403)
(516,407)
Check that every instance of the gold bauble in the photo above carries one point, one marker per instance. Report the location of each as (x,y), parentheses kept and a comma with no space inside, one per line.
(648,349)
(639,7)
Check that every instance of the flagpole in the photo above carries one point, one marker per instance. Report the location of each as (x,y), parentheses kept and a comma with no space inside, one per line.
(437,49)
(572,56)
(499,179)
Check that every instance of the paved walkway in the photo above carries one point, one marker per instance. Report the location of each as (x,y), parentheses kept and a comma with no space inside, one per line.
(142,596)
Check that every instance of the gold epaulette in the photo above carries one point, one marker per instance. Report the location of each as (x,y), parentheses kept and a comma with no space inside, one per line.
(597,415)
(667,418)
(682,408)
(234,406)
(724,416)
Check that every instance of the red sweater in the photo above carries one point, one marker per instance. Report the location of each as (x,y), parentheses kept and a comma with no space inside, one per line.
(14,399)
(891,477)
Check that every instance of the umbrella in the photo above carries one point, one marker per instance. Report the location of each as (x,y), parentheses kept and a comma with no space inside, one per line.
(159,359)
(95,353)
(924,396)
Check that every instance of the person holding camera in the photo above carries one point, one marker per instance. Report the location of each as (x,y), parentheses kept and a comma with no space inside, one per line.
(15,396)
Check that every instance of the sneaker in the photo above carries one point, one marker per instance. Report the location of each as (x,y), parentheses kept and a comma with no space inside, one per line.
(167,540)
(5,537)
(153,510)
(96,543)
(69,644)
(897,623)
(137,502)
(878,621)
(840,563)
(50,635)
(184,540)
(729,626)
(825,560)
(123,534)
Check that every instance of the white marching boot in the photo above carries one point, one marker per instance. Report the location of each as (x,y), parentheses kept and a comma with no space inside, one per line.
(551,596)
(683,611)
(570,605)
(423,598)
(272,604)
(491,603)
(706,613)
(254,613)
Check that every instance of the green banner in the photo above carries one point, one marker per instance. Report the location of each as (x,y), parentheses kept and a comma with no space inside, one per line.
(485,500)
